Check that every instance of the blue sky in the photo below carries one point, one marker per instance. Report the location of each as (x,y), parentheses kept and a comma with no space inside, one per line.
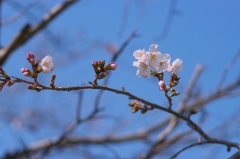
(202,32)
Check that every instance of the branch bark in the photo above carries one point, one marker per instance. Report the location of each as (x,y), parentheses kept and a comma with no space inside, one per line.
(29,31)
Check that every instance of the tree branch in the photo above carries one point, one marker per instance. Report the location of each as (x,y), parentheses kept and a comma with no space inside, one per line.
(28,31)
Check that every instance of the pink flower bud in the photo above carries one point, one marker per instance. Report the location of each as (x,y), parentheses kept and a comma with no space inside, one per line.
(162,86)
(112,65)
(30,56)
(102,75)
(31,60)
(25,73)
(105,73)
(23,70)
(54,76)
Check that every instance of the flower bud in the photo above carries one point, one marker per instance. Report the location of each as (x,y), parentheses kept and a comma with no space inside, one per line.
(102,75)
(30,56)
(175,93)
(31,60)
(131,104)
(144,111)
(25,73)
(162,86)
(54,76)
(112,66)
(101,63)
(193,110)
(23,70)
(10,82)
(31,87)
(134,110)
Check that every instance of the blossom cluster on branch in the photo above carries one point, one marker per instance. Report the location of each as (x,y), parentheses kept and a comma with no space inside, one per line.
(154,59)
(159,63)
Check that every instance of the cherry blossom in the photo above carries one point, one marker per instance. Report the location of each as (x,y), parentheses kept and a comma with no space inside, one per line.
(143,69)
(163,65)
(153,56)
(175,66)
(47,64)
(138,54)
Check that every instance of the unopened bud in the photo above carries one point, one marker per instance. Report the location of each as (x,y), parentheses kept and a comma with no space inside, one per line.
(113,66)
(30,56)
(31,60)
(144,111)
(162,86)
(131,104)
(175,93)
(53,76)
(31,87)
(193,111)
(134,110)
(101,63)
(10,82)
(25,73)
(102,75)
(23,70)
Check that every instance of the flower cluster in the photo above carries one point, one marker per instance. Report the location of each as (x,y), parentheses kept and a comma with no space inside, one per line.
(154,59)
(136,106)
(154,63)
(101,70)
(46,66)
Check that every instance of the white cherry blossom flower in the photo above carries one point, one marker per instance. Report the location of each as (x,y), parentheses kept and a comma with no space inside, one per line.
(163,65)
(138,54)
(47,64)
(143,69)
(153,48)
(153,56)
(175,66)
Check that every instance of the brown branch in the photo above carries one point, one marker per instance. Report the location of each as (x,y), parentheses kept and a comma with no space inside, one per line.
(142,135)
(227,68)
(185,148)
(172,121)
(166,28)
(193,125)
(235,156)
(28,31)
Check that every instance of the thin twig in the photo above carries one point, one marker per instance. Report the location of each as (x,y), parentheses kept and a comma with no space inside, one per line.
(79,105)
(19,14)
(167,25)
(227,68)
(185,148)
